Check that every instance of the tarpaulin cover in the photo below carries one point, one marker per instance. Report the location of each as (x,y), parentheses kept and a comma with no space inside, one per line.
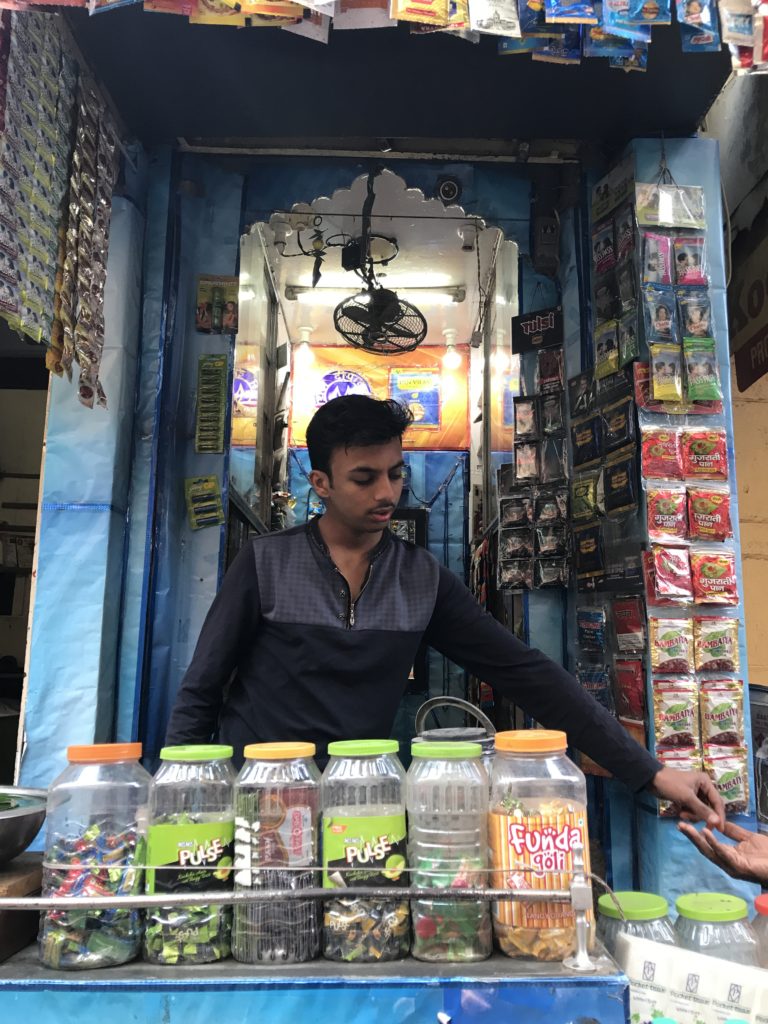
(71,685)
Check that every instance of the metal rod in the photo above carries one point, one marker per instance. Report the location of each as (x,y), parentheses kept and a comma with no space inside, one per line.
(227,898)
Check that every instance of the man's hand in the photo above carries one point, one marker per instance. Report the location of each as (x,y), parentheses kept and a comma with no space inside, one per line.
(693,795)
(748,860)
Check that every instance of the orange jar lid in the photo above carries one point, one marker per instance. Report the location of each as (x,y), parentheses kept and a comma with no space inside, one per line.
(93,753)
(532,741)
(287,751)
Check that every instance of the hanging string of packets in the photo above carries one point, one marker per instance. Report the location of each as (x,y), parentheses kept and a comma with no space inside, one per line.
(556,31)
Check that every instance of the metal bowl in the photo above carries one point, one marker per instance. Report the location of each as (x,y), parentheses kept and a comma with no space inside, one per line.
(19,823)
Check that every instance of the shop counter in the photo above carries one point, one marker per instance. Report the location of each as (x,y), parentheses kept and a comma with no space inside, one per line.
(498,990)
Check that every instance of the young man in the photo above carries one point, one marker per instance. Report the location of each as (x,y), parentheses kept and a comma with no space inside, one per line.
(317,627)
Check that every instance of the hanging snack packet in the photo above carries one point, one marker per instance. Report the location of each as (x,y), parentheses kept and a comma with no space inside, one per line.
(552,416)
(515,543)
(584,497)
(581,394)
(511,46)
(607,302)
(649,579)
(629,624)
(551,506)
(606,349)
(620,485)
(550,572)
(689,252)
(623,224)
(700,40)
(676,713)
(603,250)
(532,20)
(551,541)
(650,12)
(709,512)
(727,767)
(671,645)
(591,626)
(586,441)
(564,49)
(505,479)
(581,12)
(526,419)
(702,374)
(550,371)
(427,12)
(616,20)
(695,313)
(704,454)
(672,569)
(527,463)
(681,759)
(722,712)
(716,644)
(618,424)
(657,258)
(667,512)
(596,680)
(638,61)
(630,689)
(659,311)
(661,456)
(625,282)
(666,372)
(495,17)
(629,343)
(589,552)
(516,510)
(516,574)
(553,460)
(714,576)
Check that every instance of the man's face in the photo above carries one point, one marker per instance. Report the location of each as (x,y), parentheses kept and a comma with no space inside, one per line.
(364,485)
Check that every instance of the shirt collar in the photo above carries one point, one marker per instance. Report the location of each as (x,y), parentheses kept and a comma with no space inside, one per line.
(313,527)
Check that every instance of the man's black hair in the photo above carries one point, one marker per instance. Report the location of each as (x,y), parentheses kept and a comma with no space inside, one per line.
(353,421)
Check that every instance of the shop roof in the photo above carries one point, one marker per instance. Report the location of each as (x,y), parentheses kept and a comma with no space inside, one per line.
(170,80)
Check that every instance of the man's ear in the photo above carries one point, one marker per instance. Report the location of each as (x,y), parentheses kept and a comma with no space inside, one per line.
(321,483)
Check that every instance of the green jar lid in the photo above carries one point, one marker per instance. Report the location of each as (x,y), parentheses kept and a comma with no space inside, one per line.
(363,748)
(197,752)
(711,906)
(637,906)
(450,751)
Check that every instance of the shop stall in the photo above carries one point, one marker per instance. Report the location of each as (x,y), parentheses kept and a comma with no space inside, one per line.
(561,339)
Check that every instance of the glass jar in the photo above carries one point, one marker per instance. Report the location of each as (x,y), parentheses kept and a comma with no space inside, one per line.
(447,802)
(94,846)
(716,924)
(364,844)
(277,815)
(760,928)
(189,849)
(538,820)
(646,916)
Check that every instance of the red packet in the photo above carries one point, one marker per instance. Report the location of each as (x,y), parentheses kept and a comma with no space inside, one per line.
(672,567)
(714,576)
(629,624)
(705,454)
(667,513)
(709,512)
(630,689)
(661,454)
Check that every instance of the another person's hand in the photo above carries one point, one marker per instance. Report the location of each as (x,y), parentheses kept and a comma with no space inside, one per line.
(693,795)
(747,860)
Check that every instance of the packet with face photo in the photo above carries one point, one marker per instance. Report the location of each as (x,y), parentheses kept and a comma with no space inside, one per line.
(629,343)
(659,312)
(690,252)
(695,313)
(606,349)
(607,300)
(552,417)
(527,462)
(526,419)
(623,221)
(657,258)
(702,373)
(666,372)
(625,282)
(603,248)
(581,394)
(549,367)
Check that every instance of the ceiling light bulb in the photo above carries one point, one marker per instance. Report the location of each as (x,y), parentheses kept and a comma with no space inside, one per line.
(452,358)
(500,360)
(281,229)
(304,355)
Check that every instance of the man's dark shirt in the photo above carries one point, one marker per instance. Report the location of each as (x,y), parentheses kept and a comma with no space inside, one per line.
(307,664)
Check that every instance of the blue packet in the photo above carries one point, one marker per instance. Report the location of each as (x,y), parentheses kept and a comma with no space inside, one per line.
(615,21)
(591,625)
(532,20)
(650,12)
(659,313)
(564,50)
(580,12)
(600,42)
(508,45)
(698,40)
(636,61)
(596,680)
(697,13)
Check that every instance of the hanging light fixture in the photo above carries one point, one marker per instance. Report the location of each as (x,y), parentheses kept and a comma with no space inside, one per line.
(452,357)
(304,355)
(500,360)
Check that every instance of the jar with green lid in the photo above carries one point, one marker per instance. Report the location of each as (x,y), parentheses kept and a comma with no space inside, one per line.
(716,924)
(190,847)
(364,844)
(277,817)
(646,916)
(447,801)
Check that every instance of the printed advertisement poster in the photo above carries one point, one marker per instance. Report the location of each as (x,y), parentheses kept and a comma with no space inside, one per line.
(420,391)
(438,396)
